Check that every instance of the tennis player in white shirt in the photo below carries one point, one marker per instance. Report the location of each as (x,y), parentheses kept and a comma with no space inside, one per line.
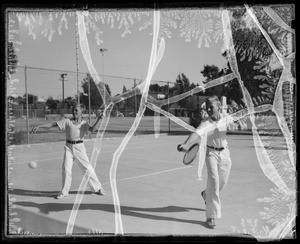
(217,158)
(76,129)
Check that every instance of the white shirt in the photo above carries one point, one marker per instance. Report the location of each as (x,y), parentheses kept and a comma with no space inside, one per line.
(216,130)
(212,133)
(74,132)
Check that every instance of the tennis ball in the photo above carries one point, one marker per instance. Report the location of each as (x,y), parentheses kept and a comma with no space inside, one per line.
(32,164)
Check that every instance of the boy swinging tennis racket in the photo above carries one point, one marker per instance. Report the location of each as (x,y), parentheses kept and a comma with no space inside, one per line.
(217,157)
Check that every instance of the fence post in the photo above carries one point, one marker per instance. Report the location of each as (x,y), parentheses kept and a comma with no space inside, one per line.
(135,109)
(27,114)
(169,122)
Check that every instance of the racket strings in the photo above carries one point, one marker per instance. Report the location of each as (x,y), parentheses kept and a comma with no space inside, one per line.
(191,154)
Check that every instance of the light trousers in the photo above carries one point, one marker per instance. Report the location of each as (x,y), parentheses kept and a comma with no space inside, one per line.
(218,165)
(78,152)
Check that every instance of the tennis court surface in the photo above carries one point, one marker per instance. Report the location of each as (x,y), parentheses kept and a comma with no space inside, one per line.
(158,194)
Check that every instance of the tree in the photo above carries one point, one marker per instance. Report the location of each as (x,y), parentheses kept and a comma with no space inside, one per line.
(70,102)
(31,99)
(51,103)
(182,84)
(96,99)
(131,104)
(12,59)
(255,57)
(212,72)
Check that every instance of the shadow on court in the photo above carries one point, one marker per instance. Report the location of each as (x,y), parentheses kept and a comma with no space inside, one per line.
(47,208)
(157,193)
(32,193)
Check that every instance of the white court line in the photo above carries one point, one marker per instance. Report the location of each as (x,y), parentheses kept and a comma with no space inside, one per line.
(244,172)
(169,170)
(89,153)
(156,161)
(151,174)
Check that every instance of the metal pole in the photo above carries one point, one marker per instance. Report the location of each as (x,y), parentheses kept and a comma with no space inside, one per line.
(90,101)
(27,114)
(134,85)
(63,92)
(102,50)
(63,96)
(169,105)
(76,40)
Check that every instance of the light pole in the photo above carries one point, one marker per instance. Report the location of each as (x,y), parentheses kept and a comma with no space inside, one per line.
(62,78)
(102,50)
(76,45)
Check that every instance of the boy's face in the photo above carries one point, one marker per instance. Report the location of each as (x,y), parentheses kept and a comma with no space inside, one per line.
(77,112)
(213,110)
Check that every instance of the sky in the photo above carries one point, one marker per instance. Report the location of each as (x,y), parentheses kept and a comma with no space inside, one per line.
(126,56)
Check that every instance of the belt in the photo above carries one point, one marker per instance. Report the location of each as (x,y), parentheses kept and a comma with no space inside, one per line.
(216,148)
(74,142)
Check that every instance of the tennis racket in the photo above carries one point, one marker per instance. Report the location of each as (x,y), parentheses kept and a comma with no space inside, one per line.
(191,154)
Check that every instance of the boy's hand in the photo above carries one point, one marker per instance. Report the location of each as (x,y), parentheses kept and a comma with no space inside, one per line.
(182,148)
(34,129)
(179,148)
(99,113)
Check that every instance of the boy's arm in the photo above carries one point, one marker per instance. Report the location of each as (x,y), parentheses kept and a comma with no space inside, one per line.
(193,138)
(50,125)
(96,125)
(189,141)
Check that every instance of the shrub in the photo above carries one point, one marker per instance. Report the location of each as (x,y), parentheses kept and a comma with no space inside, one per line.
(19,137)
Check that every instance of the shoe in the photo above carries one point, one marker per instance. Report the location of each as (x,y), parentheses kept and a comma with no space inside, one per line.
(101,192)
(211,223)
(202,194)
(60,196)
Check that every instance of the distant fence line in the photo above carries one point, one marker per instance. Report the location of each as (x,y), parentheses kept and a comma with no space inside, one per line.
(45,113)
(48,113)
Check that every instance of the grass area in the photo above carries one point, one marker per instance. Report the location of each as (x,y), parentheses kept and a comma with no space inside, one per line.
(117,127)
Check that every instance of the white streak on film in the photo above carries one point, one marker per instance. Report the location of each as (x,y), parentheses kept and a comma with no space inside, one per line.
(84,45)
(156,124)
(278,100)
(263,158)
(154,61)
(276,18)
(98,142)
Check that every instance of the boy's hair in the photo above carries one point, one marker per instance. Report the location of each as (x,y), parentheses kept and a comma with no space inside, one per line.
(77,105)
(212,99)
